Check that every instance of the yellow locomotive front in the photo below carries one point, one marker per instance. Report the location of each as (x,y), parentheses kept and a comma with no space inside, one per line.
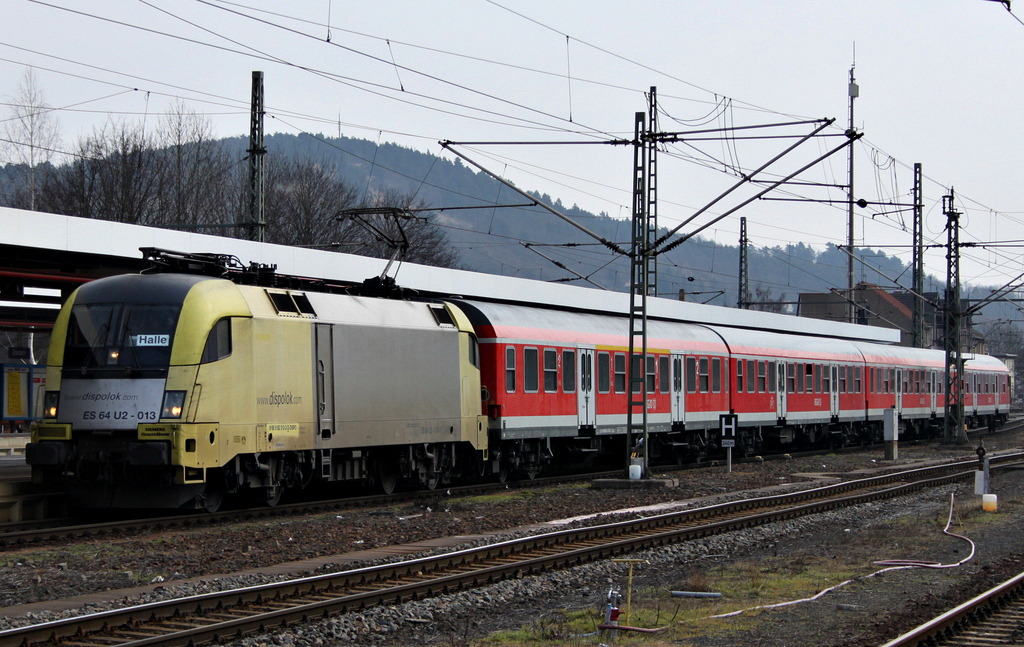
(124,365)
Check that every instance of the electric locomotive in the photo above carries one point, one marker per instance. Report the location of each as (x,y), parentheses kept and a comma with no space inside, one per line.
(174,390)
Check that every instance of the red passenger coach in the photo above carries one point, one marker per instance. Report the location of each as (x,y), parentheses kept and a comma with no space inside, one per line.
(556,381)
(814,386)
(909,380)
(555,385)
(986,391)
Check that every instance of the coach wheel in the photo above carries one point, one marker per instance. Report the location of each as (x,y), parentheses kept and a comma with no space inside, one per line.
(387,476)
(432,481)
(503,474)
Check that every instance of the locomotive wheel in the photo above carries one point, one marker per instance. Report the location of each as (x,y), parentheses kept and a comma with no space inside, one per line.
(433,481)
(272,495)
(210,500)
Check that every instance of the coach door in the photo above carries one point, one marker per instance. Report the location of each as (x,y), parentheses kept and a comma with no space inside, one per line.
(933,379)
(833,390)
(899,391)
(678,380)
(585,383)
(325,383)
(780,389)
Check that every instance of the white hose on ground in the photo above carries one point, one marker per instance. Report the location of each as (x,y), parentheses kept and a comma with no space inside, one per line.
(893,565)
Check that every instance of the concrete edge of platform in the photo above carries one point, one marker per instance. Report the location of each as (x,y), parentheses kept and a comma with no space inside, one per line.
(632,484)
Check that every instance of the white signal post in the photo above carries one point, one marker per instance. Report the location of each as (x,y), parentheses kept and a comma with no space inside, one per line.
(727,423)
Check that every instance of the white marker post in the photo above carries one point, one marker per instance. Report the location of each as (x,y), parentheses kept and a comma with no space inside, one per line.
(727,423)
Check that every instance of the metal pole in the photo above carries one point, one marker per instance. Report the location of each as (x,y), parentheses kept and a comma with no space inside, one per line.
(918,260)
(743,301)
(257,222)
(851,308)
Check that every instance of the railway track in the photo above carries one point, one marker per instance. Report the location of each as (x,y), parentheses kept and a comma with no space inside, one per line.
(14,534)
(40,530)
(226,615)
(996,617)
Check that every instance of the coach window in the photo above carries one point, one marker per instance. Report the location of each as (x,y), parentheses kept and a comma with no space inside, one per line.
(510,369)
(636,366)
(798,372)
(704,375)
(716,375)
(663,374)
(762,383)
(652,373)
(826,381)
(817,378)
(620,372)
(739,376)
(530,371)
(569,371)
(842,379)
(809,378)
(771,377)
(790,378)
(751,376)
(691,374)
(218,344)
(857,376)
(550,370)
(604,370)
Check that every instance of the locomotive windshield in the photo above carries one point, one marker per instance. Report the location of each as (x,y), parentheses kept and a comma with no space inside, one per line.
(120,337)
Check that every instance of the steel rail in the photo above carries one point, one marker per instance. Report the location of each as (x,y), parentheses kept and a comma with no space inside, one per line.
(957,626)
(47,530)
(225,615)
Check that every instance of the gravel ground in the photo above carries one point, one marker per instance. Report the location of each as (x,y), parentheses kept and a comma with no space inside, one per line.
(868,611)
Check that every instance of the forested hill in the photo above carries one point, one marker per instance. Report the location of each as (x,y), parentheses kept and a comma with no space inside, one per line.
(490,240)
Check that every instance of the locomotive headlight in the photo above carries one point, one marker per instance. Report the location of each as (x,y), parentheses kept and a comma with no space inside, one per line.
(174,402)
(50,400)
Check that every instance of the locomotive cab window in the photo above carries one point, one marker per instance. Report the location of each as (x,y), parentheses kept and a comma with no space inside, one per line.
(218,343)
(118,336)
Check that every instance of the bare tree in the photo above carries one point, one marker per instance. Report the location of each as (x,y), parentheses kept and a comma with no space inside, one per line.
(32,134)
(197,184)
(303,199)
(113,178)
(765,301)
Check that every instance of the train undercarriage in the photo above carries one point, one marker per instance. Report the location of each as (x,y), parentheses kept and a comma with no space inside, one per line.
(105,470)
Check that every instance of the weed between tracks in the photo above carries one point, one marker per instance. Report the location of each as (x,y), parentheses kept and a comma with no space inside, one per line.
(743,585)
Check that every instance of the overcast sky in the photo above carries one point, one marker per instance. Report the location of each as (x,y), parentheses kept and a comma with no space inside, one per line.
(940,84)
